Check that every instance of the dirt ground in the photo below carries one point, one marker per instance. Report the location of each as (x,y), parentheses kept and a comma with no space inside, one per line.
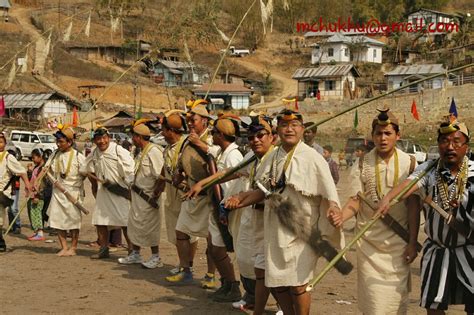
(35,281)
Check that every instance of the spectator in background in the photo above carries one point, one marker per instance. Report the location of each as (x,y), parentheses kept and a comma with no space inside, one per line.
(309,135)
(87,147)
(360,151)
(13,209)
(327,152)
(126,144)
(341,157)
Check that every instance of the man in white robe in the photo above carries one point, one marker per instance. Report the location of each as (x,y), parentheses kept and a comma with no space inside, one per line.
(144,220)
(65,166)
(383,257)
(9,167)
(110,169)
(303,179)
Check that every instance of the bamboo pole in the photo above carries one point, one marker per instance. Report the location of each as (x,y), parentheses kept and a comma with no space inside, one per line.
(366,227)
(227,48)
(253,158)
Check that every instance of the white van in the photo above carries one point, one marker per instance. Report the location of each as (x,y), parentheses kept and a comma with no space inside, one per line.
(27,141)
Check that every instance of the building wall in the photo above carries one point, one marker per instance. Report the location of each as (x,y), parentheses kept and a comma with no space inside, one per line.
(368,55)
(54,108)
(339,53)
(394,82)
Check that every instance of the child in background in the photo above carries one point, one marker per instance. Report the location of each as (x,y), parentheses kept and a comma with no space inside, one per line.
(36,202)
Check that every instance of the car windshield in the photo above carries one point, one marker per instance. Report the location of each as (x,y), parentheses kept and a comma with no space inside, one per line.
(47,138)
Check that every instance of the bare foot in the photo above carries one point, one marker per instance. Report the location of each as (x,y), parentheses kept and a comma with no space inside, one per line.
(71,252)
(62,252)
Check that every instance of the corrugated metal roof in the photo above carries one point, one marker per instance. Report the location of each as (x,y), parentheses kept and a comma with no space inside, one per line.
(324,71)
(175,64)
(5,4)
(417,69)
(33,100)
(223,88)
(339,38)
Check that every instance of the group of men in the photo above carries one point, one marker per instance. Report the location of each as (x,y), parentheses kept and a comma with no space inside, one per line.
(258,211)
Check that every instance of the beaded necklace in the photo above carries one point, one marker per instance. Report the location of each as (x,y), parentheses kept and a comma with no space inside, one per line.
(448,195)
(377,174)
(273,171)
(255,166)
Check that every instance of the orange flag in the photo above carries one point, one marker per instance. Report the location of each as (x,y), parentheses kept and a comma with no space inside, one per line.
(414,112)
(75,117)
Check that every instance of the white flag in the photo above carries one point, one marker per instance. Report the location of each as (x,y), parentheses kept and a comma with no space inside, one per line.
(24,66)
(11,75)
(186,52)
(47,46)
(114,23)
(264,14)
(87,31)
(221,33)
(67,33)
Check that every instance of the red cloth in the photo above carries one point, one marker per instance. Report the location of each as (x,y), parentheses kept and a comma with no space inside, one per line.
(414,112)
(2,107)
(75,117)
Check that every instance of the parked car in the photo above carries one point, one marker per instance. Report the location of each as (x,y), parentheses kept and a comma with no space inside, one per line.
(118,137)
(352,144)
(27,141)
(412,149)
(432,153)
(237,52)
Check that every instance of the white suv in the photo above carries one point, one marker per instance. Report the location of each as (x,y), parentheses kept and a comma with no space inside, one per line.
(27,141)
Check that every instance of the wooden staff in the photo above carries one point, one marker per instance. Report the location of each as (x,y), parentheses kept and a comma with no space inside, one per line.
(366,227)
(181,186)
(390,222)
(75,201)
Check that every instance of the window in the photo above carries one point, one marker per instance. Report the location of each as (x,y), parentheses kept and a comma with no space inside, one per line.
(34,139)
(428,20)
(25,138)
(413,20)
(329,85)
(16,137)
(375,53)
(330,52)
(346,52)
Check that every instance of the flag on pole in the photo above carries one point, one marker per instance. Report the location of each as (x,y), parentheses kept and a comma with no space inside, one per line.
(414,112)
(87,31)
(2,107)
(138,115)
(75,117)
(356,119)
(452,109)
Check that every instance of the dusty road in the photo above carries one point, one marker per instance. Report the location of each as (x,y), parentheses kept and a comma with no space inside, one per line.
(35,281)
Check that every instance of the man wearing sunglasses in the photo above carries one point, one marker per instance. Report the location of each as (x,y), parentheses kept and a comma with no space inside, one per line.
(447,267)
(304,183)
